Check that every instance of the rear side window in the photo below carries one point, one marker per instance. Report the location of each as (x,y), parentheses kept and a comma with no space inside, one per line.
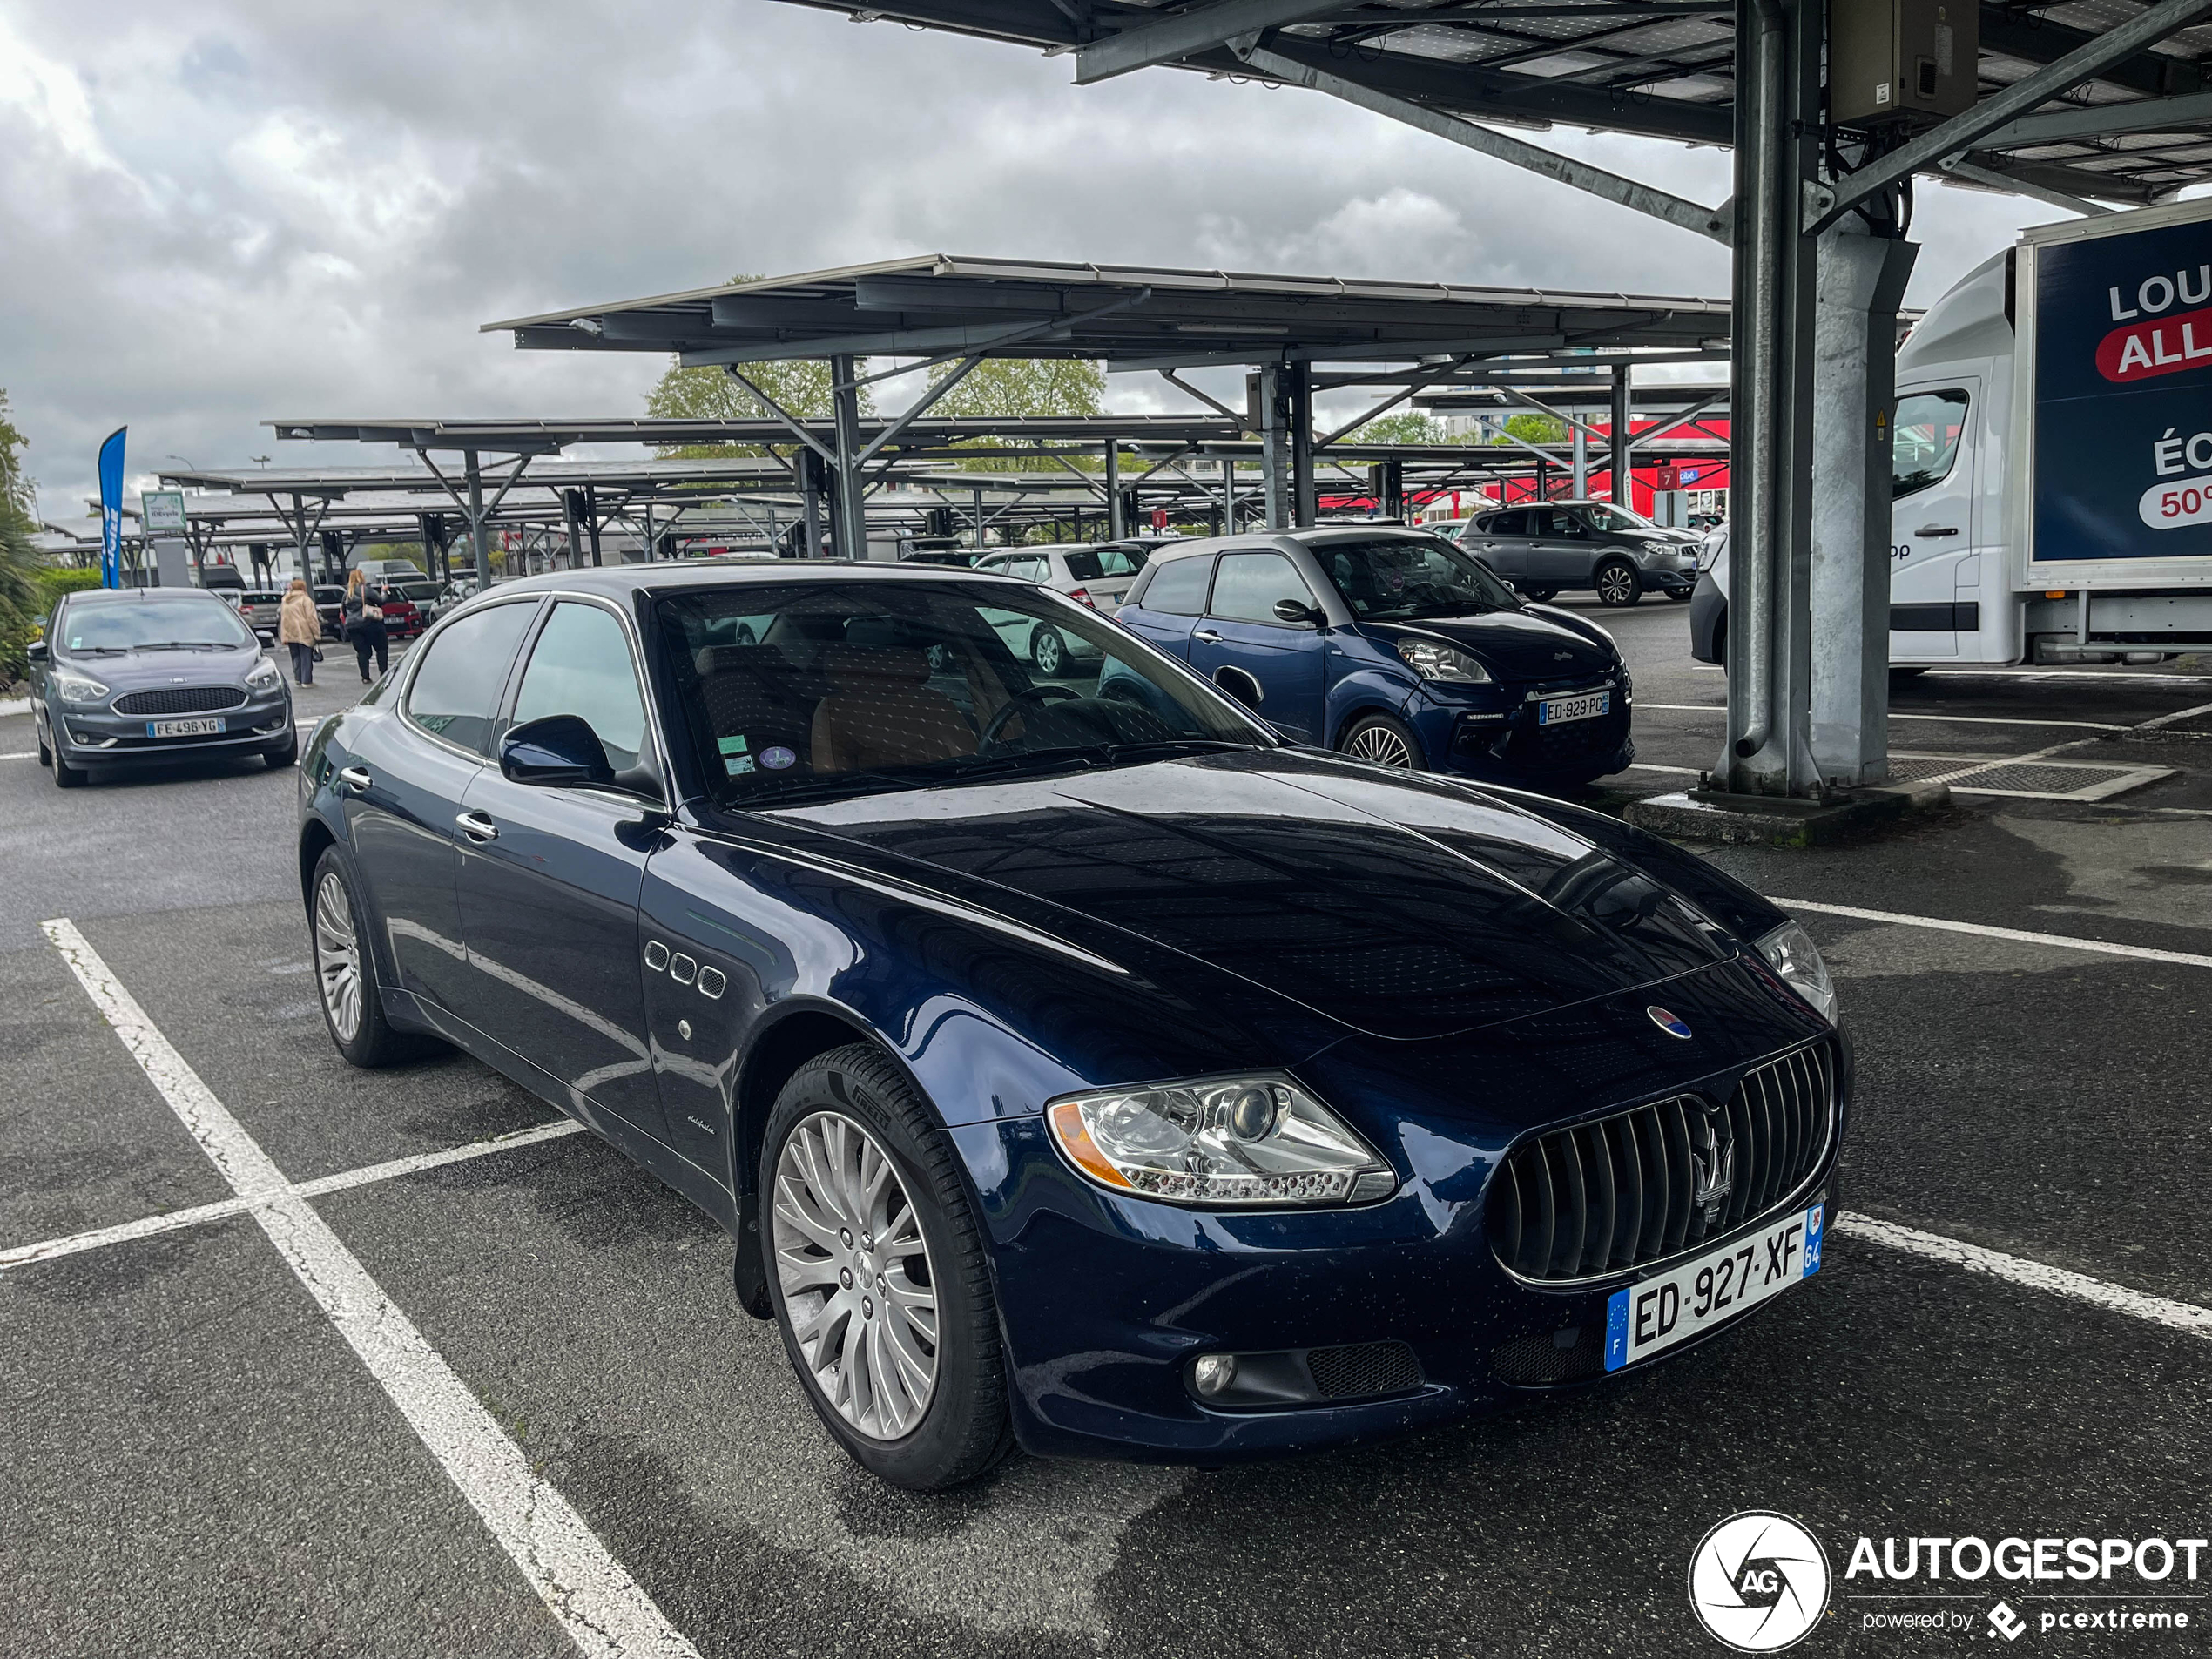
(1250,585)
(1083,564)
(1513,523)
(456,690)
(1178,589)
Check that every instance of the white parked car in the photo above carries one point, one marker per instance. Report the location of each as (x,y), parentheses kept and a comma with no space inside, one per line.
(1094,574)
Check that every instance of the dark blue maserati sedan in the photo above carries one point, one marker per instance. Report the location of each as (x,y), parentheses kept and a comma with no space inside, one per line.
(1393,645)
(1076,1064)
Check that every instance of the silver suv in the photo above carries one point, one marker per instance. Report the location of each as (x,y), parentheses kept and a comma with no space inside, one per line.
(1547,547)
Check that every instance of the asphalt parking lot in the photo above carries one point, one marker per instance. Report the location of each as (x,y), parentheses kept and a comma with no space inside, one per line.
(225,1440)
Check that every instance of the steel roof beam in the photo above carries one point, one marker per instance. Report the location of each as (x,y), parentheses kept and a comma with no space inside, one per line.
(1961,133)
(2188,115)
(1194,29)
(2036,40)
(1596,181)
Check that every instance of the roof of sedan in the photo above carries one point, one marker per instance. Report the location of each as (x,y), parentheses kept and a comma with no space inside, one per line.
(1310,535)
(618,579)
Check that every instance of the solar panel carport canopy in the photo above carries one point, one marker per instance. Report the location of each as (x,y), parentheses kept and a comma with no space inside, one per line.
(1659,68)
(1130,317)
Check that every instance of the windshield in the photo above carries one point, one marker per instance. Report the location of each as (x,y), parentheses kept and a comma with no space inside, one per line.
(1402,577)
(1607,521)
(794,693)
(202,622)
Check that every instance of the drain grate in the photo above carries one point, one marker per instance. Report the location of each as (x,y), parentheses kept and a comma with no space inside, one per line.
(2023,778)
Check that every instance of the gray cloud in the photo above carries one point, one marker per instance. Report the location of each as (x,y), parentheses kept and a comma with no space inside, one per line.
(212,214)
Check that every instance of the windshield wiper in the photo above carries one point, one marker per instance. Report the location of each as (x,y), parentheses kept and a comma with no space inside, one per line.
(1158,748)
(97,650)
(181,645)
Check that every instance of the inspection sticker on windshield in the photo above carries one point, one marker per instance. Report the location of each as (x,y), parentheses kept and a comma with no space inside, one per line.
(184,728)
(1643,1319)
(1557,711)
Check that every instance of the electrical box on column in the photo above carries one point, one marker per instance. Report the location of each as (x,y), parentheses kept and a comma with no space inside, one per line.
(1905,61)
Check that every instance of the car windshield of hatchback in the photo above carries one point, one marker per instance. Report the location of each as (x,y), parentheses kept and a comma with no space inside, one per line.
(200,624)
(1396,578)
(1609,521)
(797,692)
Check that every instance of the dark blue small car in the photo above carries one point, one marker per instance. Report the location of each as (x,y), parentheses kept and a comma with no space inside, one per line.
(128,676)
(1394,646)
(1074,1063)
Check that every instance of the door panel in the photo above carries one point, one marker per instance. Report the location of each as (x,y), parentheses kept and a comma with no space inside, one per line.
(1287,660)
(405,848)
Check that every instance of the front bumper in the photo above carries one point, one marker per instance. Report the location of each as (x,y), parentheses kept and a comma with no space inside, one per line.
(1497,737)
(1707,621)
(100,736)
(1106,1301)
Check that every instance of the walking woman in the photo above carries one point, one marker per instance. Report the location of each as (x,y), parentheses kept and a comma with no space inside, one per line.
(300,626)
(364,614)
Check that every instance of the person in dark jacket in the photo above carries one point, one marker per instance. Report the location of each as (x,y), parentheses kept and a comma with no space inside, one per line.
(364,623)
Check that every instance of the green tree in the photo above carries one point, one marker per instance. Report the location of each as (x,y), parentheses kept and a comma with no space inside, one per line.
(1021,389)
(1532,427)
(15,483)
(1405,427)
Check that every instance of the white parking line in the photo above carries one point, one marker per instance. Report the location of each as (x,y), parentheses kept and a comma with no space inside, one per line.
(605,1612)
(2159,1310)
(147,1226)
(2178,714)
(2065,942)
(1946,720)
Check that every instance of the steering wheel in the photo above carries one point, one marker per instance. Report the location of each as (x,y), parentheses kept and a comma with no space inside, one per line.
(1034,693)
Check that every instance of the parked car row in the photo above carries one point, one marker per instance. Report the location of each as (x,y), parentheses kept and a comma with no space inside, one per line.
(1076,1063)
(1550,548)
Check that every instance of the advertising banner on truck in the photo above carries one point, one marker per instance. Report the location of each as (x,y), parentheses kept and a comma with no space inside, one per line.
(2119,329)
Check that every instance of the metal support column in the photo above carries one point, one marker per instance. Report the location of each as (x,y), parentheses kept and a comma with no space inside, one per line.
(1861,280)
(810,502)
(1582,440)
(572,517)
(1116,509)
(1620,460)
(474,474)
(1770,656)
(1228,496)
(1298,389)
(1274,461)
(591,520)
(848,517)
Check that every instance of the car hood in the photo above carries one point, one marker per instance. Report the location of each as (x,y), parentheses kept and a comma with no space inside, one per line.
(1402,907)
(141,669)
(1514,644)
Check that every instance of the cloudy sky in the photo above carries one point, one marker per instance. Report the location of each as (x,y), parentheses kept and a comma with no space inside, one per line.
(215,214)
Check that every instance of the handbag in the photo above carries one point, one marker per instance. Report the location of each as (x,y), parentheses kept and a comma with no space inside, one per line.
(315,653)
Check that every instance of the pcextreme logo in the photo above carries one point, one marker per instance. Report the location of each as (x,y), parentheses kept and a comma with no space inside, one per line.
(1758,1581)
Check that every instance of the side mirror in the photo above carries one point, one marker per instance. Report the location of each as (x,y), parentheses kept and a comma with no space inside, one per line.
(265,636)
(1292,611)
(561,751)
(35,651)
(1242,686)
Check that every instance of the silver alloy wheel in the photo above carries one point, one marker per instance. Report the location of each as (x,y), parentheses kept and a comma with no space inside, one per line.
(1381,744)
(856,1275)
(1048,652)
(1616,584)
(338,958)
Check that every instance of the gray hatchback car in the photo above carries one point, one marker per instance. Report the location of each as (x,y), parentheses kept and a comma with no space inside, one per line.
(131,675)
(1548,548)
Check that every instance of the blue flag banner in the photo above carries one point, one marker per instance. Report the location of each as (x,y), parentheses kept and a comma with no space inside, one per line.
(111,510)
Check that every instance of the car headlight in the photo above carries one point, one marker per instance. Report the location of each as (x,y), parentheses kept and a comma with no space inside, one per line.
(1246,1142)
(77,688)
(262,677)
(1434,660)
(1789,951)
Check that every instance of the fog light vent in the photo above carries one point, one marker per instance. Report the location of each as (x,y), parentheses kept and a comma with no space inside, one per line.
(1562,1357)
(1360,1369)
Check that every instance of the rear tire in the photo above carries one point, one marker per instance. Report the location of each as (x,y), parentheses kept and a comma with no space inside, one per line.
(1540,596)
(1382,741)
(345,970)
(855,1098)
(1617,583)
(1048,652)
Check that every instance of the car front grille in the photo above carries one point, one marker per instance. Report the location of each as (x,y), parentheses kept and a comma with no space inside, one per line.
(181,699)
(1642,1186)
(1362,1370)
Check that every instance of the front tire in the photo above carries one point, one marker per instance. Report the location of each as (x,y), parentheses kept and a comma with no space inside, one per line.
(66,776)
(283,759)
(1540,596)
(1382,741)
(1617,583)
(345,967)
(1680,595)
(877,1272)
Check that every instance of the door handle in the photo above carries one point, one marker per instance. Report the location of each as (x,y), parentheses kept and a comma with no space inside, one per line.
(1937,530)
(357,779)
(1207,634)
(477,827)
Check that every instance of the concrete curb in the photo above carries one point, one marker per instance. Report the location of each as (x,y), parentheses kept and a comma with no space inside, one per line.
(14,705)
(1773,820)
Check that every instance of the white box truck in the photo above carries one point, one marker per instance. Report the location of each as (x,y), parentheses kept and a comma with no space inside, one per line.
(2053,454)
